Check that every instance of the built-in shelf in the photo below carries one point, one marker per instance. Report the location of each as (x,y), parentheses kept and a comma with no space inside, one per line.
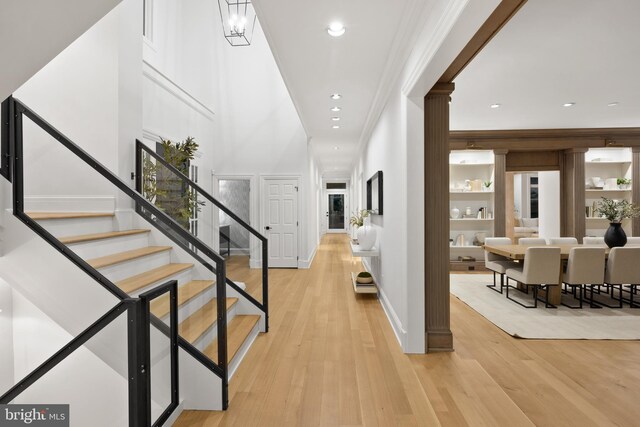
(470,164)
(594,218)
(597,190)
(470,192)
(356,251)
(471,219)
(466,247)
(360,288)
(609,162)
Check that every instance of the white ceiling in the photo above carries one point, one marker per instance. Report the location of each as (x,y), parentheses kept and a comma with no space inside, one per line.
(314,65)
(553,52)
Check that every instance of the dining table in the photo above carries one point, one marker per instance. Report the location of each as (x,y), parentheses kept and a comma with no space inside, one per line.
(518,253)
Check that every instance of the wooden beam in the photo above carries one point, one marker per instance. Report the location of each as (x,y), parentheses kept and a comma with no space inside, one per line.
(500,16)
(545,139)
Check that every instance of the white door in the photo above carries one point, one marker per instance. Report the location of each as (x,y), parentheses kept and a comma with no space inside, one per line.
(280,203)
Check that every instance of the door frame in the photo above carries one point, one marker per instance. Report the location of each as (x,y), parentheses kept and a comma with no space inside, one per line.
(347,204)
(264,178)
(255,255)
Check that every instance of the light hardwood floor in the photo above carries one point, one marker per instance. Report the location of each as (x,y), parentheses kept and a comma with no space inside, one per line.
(331,359)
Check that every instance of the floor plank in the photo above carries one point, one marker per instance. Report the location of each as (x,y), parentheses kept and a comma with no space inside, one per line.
(331,358)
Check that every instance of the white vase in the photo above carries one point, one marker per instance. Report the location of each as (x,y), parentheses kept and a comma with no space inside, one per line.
(455,213)
(366,235)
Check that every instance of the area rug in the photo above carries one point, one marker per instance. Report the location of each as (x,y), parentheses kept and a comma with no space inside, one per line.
(544,323)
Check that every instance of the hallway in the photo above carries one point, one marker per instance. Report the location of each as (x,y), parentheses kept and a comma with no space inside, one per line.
(331,359)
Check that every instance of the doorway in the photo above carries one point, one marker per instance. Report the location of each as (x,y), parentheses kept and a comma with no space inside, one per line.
(336,207)
(535,204)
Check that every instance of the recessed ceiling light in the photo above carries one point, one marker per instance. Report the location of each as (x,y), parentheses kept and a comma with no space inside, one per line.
(612,104)
(336,29)
(568,104)
(336,96)
(335,127)
(336,109)
(494,105)
(335,119)
(336,147)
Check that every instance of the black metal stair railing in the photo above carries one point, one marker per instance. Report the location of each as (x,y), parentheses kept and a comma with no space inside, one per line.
(144,153)
(138,355)
(13,112)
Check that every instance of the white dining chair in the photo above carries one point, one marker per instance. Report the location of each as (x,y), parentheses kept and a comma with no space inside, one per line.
(585,267)
(540,271)
(532,241)
(497,263)
(562,241)
(589,240)
(633,241)
(622,269)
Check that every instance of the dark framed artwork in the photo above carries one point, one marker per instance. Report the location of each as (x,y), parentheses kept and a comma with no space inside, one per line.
(374,193)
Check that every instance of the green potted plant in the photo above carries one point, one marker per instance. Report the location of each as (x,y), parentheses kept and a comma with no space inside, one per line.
(357,219)
(623,183)
(364,277)
(615,211)
(166,189)
(486,185)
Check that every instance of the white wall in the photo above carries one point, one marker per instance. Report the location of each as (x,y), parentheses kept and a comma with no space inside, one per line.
(231,100)
(91,93)
(390,269)
(6,335)
(35,31)
(36,338)
(395,145)
(549,204)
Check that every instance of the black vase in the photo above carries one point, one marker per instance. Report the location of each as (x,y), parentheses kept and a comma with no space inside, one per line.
(615,236)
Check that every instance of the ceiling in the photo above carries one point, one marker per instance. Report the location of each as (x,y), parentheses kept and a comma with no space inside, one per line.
(315,65)
(550,53)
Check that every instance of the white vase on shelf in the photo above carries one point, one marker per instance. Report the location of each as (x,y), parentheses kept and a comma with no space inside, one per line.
(366,235)
(455,213)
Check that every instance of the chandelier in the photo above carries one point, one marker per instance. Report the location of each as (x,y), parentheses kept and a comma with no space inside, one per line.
(238,21)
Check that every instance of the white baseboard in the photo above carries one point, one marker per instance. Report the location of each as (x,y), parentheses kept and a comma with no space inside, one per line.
(175,414)
(306,263)
(69,203)
(394,320)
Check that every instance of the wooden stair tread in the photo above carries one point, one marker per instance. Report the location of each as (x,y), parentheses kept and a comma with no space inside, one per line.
(195,325)
(161,306)
(238,330)
(100,236)
(68,215)
(119,257)
(133,283)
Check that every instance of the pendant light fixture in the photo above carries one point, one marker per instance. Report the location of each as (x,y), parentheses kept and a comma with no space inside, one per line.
(238,21)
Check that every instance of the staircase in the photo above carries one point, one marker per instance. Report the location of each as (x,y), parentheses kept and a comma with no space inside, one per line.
(127,258)
(143,258)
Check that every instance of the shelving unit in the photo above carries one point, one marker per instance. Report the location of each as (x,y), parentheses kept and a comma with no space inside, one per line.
(470,165)
(608,164)
(360,288)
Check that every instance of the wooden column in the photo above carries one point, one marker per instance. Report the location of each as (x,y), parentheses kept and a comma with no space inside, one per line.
(509,215)
(635,188)
(499,187)
(572,222)
(436,212)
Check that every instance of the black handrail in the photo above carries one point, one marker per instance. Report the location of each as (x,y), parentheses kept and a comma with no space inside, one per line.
(138,378)
(264,306)
(15,136)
